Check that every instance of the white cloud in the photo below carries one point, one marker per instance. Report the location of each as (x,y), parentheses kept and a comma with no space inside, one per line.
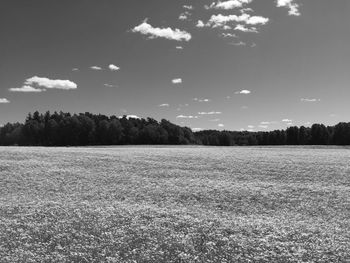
(186,117)
(200,24)
(251,126)
(4,100)
(130,117)
(309,100)
(291,5)
(40,84)
(246,29)
(168,33)
(75,69)
(202,100)
(210,113)
(230,4)
(185,15)
(228,35)
(113,67)
(221,20)
(196,129)
(164,105)
(177,81)
(215,120)
(50,83)
(287,120)
(179,47)
(221,125)
(244,91)
(265,123)
(96,68)
(189,7)
(26,88)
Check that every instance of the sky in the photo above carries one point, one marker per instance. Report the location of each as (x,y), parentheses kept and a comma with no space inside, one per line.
(205,64)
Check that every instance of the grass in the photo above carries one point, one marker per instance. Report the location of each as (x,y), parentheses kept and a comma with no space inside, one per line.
(175,204)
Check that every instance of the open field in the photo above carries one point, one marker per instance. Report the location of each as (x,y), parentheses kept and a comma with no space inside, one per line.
(175,204)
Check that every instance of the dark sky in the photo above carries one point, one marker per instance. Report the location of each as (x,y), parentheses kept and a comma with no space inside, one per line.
(290,68)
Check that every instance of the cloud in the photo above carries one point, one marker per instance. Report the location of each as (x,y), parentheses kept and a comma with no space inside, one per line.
(177,81)
(4,100)
(26,88)
(265,123)
(221,20)
(164,105)
(39,84)
(130,117)
(186,117)
(244,92)
(251,126)
(310,100)
(96,68)
(221,125)
(246,29)
(225,35)
(179,47)
(188,7)
(215,120)
(113,67)
(291,5)
(240,43)
(196,129)
(155,32)
(227,5)
(287,120)
(185,15)
(51,83)
(210,113)
(200,24)
(110,85)
(202,100)
(75,69)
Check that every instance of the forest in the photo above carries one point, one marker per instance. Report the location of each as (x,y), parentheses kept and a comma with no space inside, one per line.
(65,129)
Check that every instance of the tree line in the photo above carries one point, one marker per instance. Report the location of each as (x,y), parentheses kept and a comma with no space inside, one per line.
(65,129)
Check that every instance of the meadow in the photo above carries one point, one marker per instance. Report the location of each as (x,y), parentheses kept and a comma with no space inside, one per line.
(175,204)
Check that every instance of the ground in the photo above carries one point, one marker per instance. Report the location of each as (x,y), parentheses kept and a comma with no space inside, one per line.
(175,204)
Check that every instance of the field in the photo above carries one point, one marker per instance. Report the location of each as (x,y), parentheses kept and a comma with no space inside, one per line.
(175,204)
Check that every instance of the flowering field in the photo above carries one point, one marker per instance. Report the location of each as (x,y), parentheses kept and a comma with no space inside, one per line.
(175,204)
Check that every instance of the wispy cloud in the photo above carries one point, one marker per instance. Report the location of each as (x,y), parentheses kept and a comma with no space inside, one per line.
(210,113)
(113,67)
(186,117)
(220,125)
(188,7)
(26,88)
(179,47)
(309,100)
(164,105)
(95,68)
(156,32)
(202,100)
(75,69)
(110,85)
(4,100)
(287,120)
(229,4)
